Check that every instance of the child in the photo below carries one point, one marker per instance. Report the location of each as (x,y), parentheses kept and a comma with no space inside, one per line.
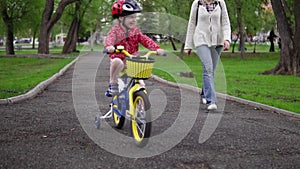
(125,33)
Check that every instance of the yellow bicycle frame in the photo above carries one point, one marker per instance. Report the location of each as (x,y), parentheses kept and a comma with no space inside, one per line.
(137,85)
(131,92)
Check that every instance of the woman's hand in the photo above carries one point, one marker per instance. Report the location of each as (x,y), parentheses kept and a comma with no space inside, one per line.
(226,45)
(188,51)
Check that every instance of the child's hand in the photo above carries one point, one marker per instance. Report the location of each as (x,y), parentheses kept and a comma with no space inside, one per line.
(161,52)
(110,49)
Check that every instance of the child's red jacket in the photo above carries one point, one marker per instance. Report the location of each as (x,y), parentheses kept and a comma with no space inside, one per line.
(117,36)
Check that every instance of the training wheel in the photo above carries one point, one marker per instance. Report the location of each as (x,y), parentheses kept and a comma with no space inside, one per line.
(97,122)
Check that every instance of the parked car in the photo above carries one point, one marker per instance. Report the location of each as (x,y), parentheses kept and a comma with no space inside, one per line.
(23,40)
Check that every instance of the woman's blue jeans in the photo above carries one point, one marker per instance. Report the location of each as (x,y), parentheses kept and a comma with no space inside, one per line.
(209,57)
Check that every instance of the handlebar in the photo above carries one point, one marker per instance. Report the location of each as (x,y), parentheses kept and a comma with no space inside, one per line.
(105,51)
(120,49)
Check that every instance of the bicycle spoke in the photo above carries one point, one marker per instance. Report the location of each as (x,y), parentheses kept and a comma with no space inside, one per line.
(140,120)
(140,130)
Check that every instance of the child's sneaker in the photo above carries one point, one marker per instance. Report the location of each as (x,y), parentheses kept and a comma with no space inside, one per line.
(113,89)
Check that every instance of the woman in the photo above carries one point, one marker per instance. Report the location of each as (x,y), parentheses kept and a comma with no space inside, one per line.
(209,31)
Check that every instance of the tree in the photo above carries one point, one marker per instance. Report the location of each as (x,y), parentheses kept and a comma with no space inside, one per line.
(180,8)
(13,14)
(2,28)
(8,21)
(49,19)
(241,33)
(245,17)
(79,11)
(287,15)
(29,27)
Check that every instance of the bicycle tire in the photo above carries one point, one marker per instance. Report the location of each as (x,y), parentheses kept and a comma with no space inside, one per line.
(141,121)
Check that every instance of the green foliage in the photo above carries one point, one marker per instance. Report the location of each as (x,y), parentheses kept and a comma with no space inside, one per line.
(156,23)
(28,14)
(253,15)
(148,22)
(180,8)
(31,22)
(89,16)
(269,21)
(25,14)
(2,28)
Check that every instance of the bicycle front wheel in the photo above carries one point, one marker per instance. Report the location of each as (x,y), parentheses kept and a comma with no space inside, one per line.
(141,120)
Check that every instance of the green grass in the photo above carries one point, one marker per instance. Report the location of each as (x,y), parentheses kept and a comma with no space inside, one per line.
(240,78)
(19,75)
(245,81)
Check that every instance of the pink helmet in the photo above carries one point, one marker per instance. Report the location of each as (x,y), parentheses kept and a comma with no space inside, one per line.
(124,7)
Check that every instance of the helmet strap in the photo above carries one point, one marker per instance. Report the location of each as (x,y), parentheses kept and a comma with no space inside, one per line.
(126,27)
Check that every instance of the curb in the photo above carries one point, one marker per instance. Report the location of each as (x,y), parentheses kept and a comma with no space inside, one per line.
(231,98)
(39,88)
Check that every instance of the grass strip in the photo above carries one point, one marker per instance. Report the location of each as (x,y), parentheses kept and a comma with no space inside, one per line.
(19,75)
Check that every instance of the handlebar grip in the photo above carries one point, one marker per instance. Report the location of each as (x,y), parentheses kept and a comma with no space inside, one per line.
(165,53)
(105,51)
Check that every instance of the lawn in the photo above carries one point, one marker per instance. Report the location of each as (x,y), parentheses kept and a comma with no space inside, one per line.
(19,75)
(238,77)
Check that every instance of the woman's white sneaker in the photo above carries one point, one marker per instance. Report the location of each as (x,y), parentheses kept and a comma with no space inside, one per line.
(212,107)
(204,101)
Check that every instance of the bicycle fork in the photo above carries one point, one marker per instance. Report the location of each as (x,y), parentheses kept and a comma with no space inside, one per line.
(132,90)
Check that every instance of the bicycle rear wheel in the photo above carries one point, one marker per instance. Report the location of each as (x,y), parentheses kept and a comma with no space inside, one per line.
(141,120)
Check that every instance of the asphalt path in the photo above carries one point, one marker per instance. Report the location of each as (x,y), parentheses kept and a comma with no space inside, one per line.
(55,129)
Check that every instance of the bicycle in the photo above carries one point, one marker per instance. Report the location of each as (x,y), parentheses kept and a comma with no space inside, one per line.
(132,102)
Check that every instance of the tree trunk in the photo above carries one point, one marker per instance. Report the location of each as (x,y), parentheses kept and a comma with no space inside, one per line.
(48,21)
(34,37)
(70,44)
(296,62)
(9,32)
(44,40)
(289,53)
(182,51)
(240,29)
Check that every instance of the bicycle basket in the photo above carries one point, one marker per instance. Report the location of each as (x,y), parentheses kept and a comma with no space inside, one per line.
(139,68)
